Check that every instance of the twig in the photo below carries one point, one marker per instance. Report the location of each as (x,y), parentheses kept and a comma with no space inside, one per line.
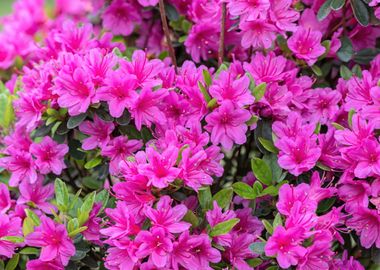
(222,32)
(165,27)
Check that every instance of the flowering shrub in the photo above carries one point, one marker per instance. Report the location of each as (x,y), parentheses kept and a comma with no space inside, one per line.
(205,134)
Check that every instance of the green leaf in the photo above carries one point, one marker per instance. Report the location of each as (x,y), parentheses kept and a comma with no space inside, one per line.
(357,70)
(325,205)
(257,247)
(267,226)
(223,67)
(91,182)
(223,227)
(283,44)
(317,70)
(346,51)
(29,251)
(6,109)
(223,197)
(327,45)
(257,188)
(75,121)
(244,190)
(324,10)
(103,197)
(72,225)
(12,263)
(271,190)
(262,171)
(205,198)
(204,92)
(360,12)
(36,220)
(259,91)
(27,226)
(191,218)
(213,103)
(13,239)
(207,77)
(61,195)
(345,72)
(171,12)
(350,115)
(365,56)
(337,126)
(124,119)
(79,230)
(277,221)
(93,163)
(337,4)
(86,208)
(268,145)
(254,262)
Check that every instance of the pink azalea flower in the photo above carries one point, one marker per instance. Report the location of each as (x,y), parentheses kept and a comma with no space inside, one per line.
(285,245)
(124,222)
(120,17)
(192,173)
(366,222)
(22,167)
(160,170)
(203,252)
(306,44)
(75,90)
(368,157)
(118,149)
(248,223)
(54,241)
(317,192)
(324,104)
(293,127)
(36,195)
(238,251)
(99,132)
(118,258)
(298,155)
(181,255)
(41,265)
(5,198)
(147,3)
(258,34)
(144,108)
(289,195)
(156,244)
(146,71)
(248,9)
(49,155)
(266,68)
(227,125)
(282,13)
(29,109)
(167,217)
(202,41)
(118,90)
(228,88)
(349,263)
(354,194)
(9,227)
(99,64)
(92,233)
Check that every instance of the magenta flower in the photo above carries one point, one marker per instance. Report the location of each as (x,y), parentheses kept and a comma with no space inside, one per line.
(9,227)
(368,157)
(227,87)
(156,244)
(160,170)
(248,9)
(298,155)
(203,252)
(306,45)
(29,109)
(5,198)
(75,90)
(22,167)
(92,233)
(282,13)
(124,222)
(167,217)
(36,195)
(285,245)
(359,91)
(120,17)
(119,91)
(146,71)
(216,216)
(293,127)
(100,64)
(147,3)
(227,125)
(238,252)
(41,265)
(354,194)
(99,132)
(144,108)
(54,241)
(258,34)
(118,149)
(324,105)
(49,155)
(366,222)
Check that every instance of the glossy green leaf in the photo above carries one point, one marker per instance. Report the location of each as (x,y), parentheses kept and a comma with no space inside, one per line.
(244,190)
(223,197)
(75,121)
(262,171)
(324,10)
(223,227)
(360,12)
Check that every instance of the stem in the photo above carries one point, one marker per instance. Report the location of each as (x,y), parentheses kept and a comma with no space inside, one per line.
(165,27)
(222,32)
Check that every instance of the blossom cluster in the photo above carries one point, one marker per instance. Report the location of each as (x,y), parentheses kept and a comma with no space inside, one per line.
(207,134)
